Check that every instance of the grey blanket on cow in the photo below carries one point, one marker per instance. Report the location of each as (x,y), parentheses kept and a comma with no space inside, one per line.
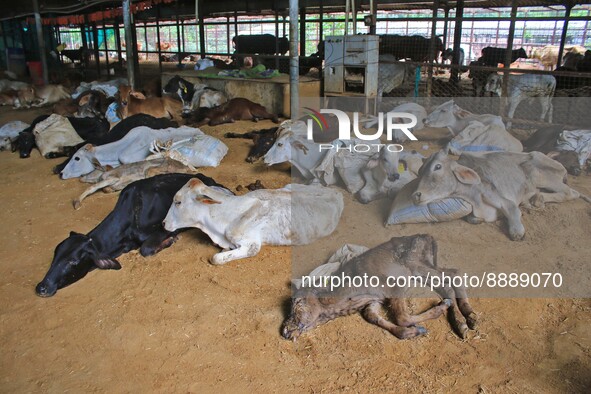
(477,137)
(404,210)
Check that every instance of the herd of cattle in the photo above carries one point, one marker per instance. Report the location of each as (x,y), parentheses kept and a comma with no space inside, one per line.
(148,145)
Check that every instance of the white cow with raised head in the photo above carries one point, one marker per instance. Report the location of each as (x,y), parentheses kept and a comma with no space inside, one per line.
(294,215)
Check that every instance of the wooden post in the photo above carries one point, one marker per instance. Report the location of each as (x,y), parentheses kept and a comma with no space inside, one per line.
(178,34)
(276,38)
(303,31)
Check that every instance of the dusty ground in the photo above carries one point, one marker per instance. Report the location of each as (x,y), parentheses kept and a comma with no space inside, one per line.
(174,322)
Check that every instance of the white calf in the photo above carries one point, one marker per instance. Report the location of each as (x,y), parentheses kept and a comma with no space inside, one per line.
(242,224)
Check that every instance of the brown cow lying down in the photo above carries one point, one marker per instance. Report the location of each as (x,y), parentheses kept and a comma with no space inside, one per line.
(116,179)
(544,140)
(9,97)
(416,256)
(235,109)
(37,96)
(131,103)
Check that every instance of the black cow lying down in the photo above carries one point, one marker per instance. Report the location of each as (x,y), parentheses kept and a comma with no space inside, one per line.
(135,222)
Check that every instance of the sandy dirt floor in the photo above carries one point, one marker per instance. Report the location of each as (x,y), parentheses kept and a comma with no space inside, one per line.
(175,323)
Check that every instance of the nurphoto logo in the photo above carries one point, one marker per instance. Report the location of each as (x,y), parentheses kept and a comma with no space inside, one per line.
(391,120)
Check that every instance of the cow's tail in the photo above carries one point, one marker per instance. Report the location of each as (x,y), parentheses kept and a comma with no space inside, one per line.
(77,203)
(585,197)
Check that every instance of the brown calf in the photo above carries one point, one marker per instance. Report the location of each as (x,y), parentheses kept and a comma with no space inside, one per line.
(131,103)
(401,256)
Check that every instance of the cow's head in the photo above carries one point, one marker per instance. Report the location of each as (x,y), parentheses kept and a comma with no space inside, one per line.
(27,96)
(521,54)
(287,133)
(73,258)
(569,159)
(124,96)
(80,164)
(306,314)
(24,143)
(494,84)
(442,116)
(189,203)
(262,145)
(388,162)
(439,177)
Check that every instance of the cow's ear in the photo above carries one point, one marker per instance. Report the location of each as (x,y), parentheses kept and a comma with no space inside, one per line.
(462,113)
(466,175)
(106,263)
(195,182)
(73,233)
(138,95)
(84,100)
(206,200)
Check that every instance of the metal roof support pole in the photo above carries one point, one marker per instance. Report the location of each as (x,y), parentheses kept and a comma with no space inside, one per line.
(40,40)
(158,48)
(372,12)
(276,38)
(455,71)
(354,16)
(294,66)
(569,7)
(178,35)
(303,31)
(347,10)
(432,47)
(201,28)
(129,43)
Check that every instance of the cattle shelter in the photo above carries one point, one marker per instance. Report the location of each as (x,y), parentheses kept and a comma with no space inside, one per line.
(247,94)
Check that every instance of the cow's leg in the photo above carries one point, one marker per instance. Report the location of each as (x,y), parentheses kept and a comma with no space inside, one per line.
(403,318)
(157,241)
(261,113)
(513,215)
(465,307)
(371,313)
(91,190)
(247,249)
(513,103)
(473,219)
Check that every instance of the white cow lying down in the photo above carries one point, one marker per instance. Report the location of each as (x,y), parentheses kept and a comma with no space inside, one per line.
(134,147)
(242,224)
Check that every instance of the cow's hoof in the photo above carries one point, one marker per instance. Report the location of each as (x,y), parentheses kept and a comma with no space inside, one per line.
(472,321)
(474,220)
(516,236)
(77,204)
(447,302)
(421,330)
(215,260)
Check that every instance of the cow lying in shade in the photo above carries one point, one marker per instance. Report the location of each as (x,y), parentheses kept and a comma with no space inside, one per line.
(456,119)
(235,109)
(134,147)
(413,256)
(117,178)
(242,224)
(495,182)
(135,222)
(545,139)
(33,96)
(194,96)
(132,102)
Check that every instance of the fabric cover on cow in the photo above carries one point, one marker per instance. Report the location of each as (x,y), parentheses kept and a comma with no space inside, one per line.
(197,151)
(477,137)
(578,141)
(55,133)
(403,209)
